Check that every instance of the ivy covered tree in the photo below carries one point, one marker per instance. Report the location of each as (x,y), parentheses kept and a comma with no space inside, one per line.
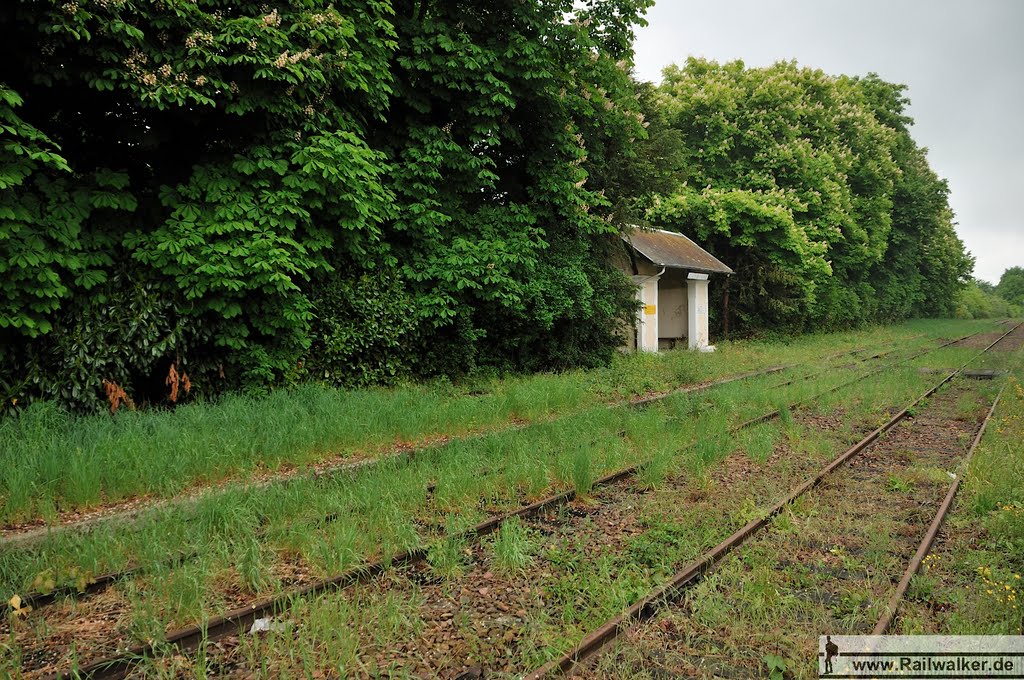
(361,190)
(249,165)
(502,113)
(229,137)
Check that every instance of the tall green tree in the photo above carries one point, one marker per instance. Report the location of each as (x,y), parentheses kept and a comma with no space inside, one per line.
(502,112)
(812,189)
(230,136)
(789,179)
(978,300)
(925,265)
(1011,286)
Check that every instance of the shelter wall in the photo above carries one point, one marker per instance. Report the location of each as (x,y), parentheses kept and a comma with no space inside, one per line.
(672,307)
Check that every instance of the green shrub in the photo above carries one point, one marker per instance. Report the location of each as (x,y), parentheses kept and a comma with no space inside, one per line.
(361,330)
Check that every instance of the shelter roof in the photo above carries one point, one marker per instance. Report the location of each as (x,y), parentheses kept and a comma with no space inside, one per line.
(673,250)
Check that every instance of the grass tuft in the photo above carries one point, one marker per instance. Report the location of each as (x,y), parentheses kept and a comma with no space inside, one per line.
(582,473)
(513,549)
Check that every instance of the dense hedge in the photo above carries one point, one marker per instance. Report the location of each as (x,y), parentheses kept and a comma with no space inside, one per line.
(359,191)
(349,190)
(1011,286)
(981,300)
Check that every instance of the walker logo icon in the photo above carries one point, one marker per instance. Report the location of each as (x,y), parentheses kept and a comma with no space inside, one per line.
(921,656)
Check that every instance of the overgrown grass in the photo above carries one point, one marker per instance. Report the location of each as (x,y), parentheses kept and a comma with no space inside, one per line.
(376,506)
(570,452)
(513,547)
(52,462)
(769,596)
(251,540)
(584,582)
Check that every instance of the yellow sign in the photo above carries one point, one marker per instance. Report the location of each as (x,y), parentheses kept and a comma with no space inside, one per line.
(650,310)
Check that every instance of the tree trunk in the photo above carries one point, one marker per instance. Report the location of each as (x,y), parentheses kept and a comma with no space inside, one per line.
(725,310)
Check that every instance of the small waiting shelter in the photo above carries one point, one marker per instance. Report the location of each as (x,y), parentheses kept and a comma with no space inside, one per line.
(671,273)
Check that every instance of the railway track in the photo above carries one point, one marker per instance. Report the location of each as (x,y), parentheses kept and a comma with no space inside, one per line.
(891,612)
(196,636)
(650,652)
(134,510)
(100,582)
(827,564)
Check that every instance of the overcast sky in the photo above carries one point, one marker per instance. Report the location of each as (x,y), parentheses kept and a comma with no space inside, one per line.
(962,60)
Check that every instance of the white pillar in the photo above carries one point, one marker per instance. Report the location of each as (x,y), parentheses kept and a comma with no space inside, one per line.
(697,312)
(647,319)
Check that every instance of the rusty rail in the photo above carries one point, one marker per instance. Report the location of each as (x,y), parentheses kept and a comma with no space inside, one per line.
(31,536)
(37,534)
(648,606)
(103,581)
(700,387)
(892,607)
(877,355)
